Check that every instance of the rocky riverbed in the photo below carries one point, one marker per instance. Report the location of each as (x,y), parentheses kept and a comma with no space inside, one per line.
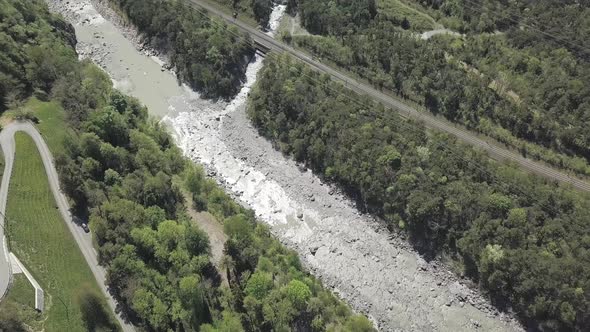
(373,270)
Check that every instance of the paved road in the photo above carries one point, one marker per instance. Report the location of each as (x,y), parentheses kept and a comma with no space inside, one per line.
(5,268)
(495,150)
(83,239)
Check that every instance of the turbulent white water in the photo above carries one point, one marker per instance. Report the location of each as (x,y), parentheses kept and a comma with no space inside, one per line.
(198,134)
(275,19)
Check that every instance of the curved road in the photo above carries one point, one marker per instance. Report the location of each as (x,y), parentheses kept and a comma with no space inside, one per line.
(83,239)
(495,150)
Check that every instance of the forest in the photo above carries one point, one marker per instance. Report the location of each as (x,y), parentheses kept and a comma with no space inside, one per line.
(526,242)
(519,86)
(122,172)
(206,53)
(36,47)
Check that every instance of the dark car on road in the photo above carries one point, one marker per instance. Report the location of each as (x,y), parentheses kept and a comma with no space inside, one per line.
(85,227)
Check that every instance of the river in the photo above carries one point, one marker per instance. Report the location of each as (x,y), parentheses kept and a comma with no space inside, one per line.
(377,273)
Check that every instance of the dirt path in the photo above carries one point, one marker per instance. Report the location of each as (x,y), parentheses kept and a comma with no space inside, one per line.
(214,230)
(292,24)
(441,31)
(435,24)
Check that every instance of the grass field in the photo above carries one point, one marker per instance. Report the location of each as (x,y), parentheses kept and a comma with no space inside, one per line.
(396,10)
(51,121)
(42,241)
(22,291)
(52,118)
